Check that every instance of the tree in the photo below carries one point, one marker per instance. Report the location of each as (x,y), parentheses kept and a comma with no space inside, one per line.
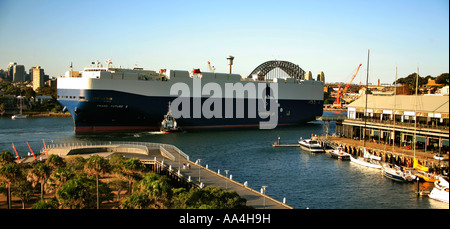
(157,189)
(9,173)
(443,79)
(22,189)
(96,166)
(59,177)
(119,185)
(6,157)
(79,192)
(135,201)
(55,161)
(410,81)
(210,198)
(39,174)
(75,193)
(46,204)
(131,168)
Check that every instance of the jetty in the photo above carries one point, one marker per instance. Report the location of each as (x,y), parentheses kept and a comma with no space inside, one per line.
(402,156)
(167,160)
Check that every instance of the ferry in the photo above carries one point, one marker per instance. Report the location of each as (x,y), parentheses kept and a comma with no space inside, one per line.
(107,98)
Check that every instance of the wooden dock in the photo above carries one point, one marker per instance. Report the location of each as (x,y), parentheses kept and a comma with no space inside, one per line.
(170,159)
(286,145)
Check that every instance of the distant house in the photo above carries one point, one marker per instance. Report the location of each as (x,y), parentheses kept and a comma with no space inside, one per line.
(43,98)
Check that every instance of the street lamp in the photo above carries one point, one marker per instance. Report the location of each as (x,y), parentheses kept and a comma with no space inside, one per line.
(199,160)
(226,180)
(264,195)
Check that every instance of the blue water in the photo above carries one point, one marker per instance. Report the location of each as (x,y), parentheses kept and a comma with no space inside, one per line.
(306,180)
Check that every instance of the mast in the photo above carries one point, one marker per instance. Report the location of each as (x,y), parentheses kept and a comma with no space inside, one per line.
(367,89)
(394,111)
(415,113)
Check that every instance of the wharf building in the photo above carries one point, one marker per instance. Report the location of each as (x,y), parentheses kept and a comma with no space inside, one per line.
(392,120)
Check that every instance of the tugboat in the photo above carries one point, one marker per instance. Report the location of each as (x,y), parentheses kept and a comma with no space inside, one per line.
(169,124)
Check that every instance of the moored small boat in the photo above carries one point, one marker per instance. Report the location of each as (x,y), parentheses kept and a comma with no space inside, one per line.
(311,145)
(367,160)
(339,153)
(440,190)
(397,173)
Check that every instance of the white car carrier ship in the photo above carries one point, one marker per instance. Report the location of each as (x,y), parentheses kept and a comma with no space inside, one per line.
(117,99)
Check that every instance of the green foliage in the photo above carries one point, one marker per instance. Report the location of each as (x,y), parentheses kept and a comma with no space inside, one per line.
(96,165)
(55,161)
(6,157)
(46,204)
(136,201)
(410,80)
(75,188)
(80,193)
(210,198)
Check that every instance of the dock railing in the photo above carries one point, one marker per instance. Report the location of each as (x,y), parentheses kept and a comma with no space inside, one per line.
(138,145)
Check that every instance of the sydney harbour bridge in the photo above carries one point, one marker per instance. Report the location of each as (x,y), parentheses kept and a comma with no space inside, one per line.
(277,69)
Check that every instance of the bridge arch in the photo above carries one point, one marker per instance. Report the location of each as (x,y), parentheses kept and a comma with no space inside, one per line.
(289,68)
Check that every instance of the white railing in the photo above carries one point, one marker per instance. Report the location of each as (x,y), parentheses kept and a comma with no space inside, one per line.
(77,145)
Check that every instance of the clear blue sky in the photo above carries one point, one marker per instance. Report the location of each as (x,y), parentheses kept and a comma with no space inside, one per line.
(329,36)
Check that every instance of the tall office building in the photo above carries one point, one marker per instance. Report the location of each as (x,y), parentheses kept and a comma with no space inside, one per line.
(38,77)
(16,73)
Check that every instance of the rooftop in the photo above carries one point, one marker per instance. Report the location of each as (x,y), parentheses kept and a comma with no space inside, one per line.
(421,103)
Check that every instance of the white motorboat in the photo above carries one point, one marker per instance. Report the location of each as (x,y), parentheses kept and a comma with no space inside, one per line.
(339,153)
(367,160)
(440,190)
(18,116)
(311,145)
(397,173)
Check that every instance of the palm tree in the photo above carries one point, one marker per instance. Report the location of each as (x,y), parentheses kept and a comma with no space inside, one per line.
(6,157)
(157,189)
(131,167)
(97,166)
(39,174)
(59,177)
(9,173)
(55,161)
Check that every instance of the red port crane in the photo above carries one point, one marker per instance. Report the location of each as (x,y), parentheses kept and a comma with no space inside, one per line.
(337,103)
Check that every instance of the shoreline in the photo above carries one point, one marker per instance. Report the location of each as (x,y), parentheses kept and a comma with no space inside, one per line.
(41,114)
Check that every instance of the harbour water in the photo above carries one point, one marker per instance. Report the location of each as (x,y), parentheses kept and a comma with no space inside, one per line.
(306,180)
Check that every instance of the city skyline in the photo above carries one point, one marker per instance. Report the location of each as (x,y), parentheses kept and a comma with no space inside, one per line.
(328,36)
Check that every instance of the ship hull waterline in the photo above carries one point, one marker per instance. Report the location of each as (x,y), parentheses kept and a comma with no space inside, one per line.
(115,111)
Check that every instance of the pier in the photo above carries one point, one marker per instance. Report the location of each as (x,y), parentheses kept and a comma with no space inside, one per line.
(168,160)
(402,156)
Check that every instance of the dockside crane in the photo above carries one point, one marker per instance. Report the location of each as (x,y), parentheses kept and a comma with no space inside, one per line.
(211,69)
(337,103)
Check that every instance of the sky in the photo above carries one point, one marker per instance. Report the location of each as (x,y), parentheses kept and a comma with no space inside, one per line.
(322,35)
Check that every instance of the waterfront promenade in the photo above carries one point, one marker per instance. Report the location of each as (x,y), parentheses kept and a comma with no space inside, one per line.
(172,161)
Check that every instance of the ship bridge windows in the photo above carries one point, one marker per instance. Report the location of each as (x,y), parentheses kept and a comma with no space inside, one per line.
(106,99)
